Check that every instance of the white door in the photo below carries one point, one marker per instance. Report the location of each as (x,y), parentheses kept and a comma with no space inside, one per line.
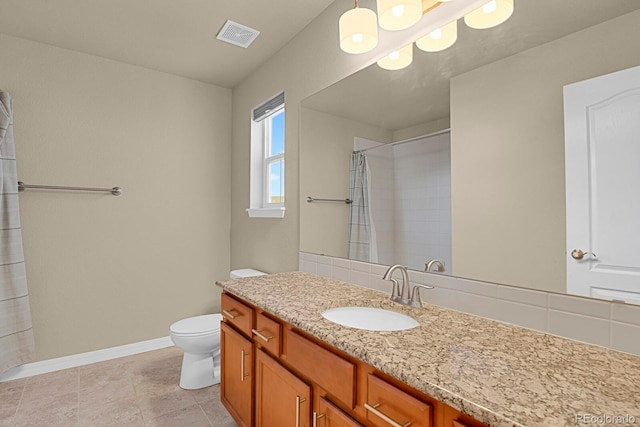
(602,156)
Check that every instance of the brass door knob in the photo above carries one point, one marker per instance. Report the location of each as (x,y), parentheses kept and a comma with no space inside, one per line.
(579,254)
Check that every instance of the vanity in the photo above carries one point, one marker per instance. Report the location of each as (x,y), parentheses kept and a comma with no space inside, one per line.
(284,364)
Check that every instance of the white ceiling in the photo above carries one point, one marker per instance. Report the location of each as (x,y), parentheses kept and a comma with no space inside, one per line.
(420,92)
(173,36)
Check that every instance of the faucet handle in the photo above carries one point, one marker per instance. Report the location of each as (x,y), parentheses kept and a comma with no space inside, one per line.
(416,301)
(395,290)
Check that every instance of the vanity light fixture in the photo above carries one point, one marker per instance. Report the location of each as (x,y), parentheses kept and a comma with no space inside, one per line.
(398,59)
(358,29)
(490,14)
(439,39)
(397,15)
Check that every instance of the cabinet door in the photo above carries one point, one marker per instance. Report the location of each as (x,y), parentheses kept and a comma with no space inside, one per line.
(329,415)
(236,391)
(282,399)
(387,405)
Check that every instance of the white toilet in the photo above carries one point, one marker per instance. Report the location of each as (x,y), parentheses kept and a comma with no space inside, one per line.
(199,338)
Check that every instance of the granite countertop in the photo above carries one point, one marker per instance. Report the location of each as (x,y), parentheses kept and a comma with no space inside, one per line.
(500,374)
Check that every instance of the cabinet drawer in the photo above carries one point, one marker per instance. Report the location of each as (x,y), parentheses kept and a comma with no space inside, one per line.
(327,369)
(387,405)
(238,314)
(267,333)
(329,415)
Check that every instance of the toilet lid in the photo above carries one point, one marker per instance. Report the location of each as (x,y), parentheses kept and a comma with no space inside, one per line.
(197,325)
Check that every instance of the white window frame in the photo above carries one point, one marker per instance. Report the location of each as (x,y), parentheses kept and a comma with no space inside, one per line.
(267,161)
(259,205)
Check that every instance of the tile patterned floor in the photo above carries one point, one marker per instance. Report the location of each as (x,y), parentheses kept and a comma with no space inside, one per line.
(140,390)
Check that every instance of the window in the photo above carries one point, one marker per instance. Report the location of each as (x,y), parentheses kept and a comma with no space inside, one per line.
(267,194)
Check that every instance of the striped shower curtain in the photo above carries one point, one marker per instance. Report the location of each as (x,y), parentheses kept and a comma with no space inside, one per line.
(16,335)
(359,217)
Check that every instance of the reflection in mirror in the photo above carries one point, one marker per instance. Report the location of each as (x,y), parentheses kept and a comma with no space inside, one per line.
(500,91)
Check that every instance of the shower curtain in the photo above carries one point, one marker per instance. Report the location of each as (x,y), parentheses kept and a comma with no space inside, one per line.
(16,335)
(360,226)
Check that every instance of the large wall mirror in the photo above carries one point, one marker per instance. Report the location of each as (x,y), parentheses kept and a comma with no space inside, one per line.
(490,110)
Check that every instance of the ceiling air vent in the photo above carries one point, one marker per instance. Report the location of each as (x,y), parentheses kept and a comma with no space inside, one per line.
(237,34)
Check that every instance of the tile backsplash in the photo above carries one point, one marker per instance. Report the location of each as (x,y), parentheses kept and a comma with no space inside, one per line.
(604,323)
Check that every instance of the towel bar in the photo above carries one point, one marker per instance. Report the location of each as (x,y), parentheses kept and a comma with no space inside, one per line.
(313,199)
(116,191)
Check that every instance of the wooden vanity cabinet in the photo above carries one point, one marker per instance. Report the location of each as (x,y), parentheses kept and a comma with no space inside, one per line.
(236,389)
(274,375)
(282,399)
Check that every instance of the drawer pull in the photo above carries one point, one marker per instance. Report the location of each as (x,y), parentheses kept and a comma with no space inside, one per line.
(299,400)
(316,416)
(261,336)
(243,354)
(229,314)
(383,416)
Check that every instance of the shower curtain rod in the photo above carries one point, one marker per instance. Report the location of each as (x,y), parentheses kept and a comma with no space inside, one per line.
(415,138)
(116,191)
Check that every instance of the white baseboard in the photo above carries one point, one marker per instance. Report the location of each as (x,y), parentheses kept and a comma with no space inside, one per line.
(57,364)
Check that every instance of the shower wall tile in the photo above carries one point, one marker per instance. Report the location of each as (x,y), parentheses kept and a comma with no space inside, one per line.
(360,266)
(627,314)
(341,262)
(376,282)
(339,273)
(321,259)
(308,266)
(578,327)
(379,269)
(578,305)
(527,316)
(625,337)
(523,296)
(359,278)
(462,285)
(323,270)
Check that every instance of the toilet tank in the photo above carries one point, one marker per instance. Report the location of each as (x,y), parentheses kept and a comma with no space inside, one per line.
(246,272)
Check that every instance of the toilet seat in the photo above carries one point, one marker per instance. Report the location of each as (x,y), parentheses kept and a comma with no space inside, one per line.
(198,325)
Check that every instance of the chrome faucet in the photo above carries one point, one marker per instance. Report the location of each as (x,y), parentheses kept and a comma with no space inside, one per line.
(439,265)
(403,296)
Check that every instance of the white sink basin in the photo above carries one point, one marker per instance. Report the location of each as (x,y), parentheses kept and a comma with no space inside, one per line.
(371,319)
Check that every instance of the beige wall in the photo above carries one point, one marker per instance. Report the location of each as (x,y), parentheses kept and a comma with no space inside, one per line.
(508,154)
(103,270)
(326,144)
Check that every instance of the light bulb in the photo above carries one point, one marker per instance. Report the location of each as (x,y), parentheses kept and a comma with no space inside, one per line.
(490,7)
(490,14)
(439,39)
(398,10)
(398,59)
(396,15)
